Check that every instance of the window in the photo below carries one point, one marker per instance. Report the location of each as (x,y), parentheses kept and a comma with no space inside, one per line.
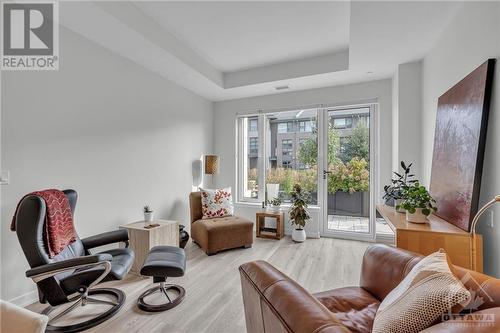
(341,123)
(249,161)
(287,149)
(281,152)
(253,146)
(252,126)
(285,127)
(305,126)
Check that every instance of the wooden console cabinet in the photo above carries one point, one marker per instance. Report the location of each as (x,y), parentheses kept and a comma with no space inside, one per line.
(429,237)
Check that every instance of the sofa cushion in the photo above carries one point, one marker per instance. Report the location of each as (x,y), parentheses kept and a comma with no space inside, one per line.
(354,307)
(216,203)
(428,291)
(226,223)
(222,233)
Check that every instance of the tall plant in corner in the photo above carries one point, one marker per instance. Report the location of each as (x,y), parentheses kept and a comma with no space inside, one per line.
(298,212)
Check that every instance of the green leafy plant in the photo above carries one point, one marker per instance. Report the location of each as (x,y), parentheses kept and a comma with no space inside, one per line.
(357,144)
(400,183)
(147,209)
(287,177)
(308,151)
(417,196)
(298,211)
(275,202)
(350,177)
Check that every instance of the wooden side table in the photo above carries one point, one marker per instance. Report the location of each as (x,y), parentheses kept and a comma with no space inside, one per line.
(142,239)
(265,232)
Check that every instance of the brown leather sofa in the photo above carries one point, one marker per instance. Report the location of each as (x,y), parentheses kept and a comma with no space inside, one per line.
(275,303)
(217,234)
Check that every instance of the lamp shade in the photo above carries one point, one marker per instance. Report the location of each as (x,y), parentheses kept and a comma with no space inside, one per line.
(211,164)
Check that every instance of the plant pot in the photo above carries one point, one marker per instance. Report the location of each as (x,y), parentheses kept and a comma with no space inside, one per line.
(298,235)
(349,204)
(148,217)
(273,191)
(274,209)
(399,202)
(417,217)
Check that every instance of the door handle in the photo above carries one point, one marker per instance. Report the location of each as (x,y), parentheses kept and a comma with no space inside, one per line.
(325,172)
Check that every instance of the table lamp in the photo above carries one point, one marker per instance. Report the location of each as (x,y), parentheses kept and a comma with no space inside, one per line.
(473,228)
(211,165)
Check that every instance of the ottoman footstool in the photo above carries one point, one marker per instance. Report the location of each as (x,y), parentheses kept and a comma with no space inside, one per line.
(160,263)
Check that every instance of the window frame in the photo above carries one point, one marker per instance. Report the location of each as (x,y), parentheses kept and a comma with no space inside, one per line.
(262,164)
(242,150)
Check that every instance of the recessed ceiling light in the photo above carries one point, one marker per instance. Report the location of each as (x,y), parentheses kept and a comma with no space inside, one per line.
(282,87)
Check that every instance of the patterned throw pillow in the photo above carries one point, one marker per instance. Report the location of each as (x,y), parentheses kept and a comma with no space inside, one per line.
(424,295)
(216,203)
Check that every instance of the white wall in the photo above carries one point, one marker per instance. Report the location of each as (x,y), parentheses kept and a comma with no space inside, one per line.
(471,38)
(407,110)
(225,131)
(118,134)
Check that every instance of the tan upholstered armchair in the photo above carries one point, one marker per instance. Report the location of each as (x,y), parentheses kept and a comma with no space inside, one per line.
(217,234)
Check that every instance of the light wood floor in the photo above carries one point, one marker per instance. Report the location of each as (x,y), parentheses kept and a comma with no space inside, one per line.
(213,300)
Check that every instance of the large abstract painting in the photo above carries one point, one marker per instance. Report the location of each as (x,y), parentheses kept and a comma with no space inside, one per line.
(457,163)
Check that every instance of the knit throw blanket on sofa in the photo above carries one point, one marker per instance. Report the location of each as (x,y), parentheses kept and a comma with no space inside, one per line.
(59,229)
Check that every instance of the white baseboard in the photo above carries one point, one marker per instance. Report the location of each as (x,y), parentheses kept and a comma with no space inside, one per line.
(26,299)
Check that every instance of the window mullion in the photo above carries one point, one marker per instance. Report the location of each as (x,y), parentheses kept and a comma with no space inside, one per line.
(262,156)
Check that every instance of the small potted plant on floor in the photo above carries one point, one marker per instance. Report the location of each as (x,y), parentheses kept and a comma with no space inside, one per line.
(418,203)
(274,204)
(396,191)
(148,214)
(298,213)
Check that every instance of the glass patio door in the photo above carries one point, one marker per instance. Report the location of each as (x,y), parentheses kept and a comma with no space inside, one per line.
(347,173)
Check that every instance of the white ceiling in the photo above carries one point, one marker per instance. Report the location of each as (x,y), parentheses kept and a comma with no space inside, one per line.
(234,36)
(227,50)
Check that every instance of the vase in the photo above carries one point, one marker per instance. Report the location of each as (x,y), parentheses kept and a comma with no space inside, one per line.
(148,217)
(183,236)
(399,202)
(273,191)
(417,217)
(298,235)
(273,209)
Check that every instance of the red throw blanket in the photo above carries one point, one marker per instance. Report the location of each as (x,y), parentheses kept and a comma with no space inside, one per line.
(59,229)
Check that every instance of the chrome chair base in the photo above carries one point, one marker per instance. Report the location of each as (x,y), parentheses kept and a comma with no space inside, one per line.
(82,300)
(162,288)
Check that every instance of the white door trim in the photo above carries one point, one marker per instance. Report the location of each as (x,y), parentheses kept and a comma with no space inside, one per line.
(374,170)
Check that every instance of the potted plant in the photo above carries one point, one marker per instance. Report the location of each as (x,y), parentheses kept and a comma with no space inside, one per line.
(418,203)
(275,204)
(148,214)
(399,184)
(298,213)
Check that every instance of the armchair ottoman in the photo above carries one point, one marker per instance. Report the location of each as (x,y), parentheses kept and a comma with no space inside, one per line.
(217,234)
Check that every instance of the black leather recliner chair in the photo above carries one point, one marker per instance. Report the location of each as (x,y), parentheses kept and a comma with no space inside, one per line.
(69,276)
